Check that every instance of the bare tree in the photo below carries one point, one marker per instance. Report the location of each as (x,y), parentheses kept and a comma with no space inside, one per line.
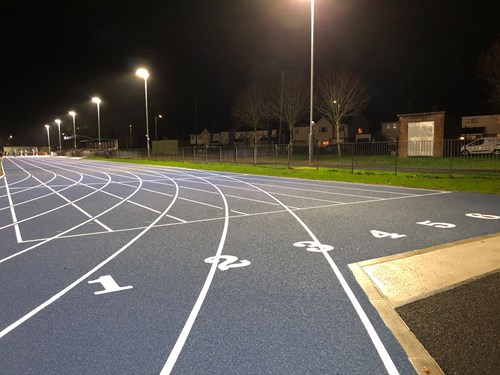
(489,69)
(291,103)
(250,109)
(341,95)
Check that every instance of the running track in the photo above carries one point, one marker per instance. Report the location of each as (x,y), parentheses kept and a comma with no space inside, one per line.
(112,268)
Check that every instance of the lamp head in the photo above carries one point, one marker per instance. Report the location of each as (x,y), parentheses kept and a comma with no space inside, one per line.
(96,99)
(58,122)
(72,113)
(143,73)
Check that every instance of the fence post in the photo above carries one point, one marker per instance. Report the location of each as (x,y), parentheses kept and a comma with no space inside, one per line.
(220,154)
(194,155)
(396,164)
(236,155)
(352,158)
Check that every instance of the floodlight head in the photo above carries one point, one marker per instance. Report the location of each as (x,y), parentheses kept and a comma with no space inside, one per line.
(143,73)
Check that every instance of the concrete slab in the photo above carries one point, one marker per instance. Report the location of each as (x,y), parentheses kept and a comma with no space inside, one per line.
(396,280)
(412,276)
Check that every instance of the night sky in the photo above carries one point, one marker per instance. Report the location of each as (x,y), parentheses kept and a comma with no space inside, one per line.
(414,56)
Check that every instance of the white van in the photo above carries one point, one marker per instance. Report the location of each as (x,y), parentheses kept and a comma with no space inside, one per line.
(486,145)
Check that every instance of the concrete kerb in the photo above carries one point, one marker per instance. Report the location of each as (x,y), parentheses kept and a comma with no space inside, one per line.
(396,280)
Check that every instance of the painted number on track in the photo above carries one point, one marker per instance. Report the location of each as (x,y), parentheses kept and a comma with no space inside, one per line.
(437,225)
(380,234)
(313,246)
(483,216)
(109,285)
(229,262)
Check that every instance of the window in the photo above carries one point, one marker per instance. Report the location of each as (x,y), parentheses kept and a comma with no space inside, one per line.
(421,138)
(360,130)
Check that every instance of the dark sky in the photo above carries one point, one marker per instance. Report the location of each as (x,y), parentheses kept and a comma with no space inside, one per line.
(56,54)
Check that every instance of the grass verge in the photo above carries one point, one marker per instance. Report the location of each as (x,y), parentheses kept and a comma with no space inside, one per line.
(480,183)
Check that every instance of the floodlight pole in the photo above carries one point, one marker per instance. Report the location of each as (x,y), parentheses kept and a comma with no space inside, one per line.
(312,80)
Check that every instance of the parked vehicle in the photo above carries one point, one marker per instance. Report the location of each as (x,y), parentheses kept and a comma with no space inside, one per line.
(486,145)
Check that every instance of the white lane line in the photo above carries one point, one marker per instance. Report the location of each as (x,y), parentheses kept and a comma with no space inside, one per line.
(61,206)
(181,340)
(334,184)
(13,213)
(176,218)
(74,227)
(103,225)
(377,342)
(87,275)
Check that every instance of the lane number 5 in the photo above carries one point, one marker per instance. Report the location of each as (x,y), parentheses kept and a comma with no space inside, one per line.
(437,225)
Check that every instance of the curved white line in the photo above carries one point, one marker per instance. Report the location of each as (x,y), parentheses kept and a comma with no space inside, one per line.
(61,206)
(76,226)
(88,274)
(377,342)
(181,340)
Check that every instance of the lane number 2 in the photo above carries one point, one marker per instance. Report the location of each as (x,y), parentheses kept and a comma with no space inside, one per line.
(229,262)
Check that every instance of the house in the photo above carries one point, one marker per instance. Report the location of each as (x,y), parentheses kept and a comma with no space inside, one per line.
(324,133)
(359,129)
(202,139)
(480,126)
(422,134)
(390,131)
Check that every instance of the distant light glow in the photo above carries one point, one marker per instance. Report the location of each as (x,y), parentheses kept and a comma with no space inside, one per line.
(58,122)
(72,113)
(96,100)
(143,73)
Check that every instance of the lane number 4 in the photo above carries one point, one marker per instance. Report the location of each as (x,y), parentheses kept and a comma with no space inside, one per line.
(380,234)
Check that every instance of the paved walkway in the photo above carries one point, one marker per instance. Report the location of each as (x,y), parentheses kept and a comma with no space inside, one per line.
(402,286)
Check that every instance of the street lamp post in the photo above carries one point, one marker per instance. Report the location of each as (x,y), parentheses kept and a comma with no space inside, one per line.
(73,114)
(58,122)
(312,79)
(156,126)
(143,73)
(97,101)
(48,135)
(130,136)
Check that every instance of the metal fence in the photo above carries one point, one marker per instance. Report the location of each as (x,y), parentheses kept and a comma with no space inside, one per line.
(417,156)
